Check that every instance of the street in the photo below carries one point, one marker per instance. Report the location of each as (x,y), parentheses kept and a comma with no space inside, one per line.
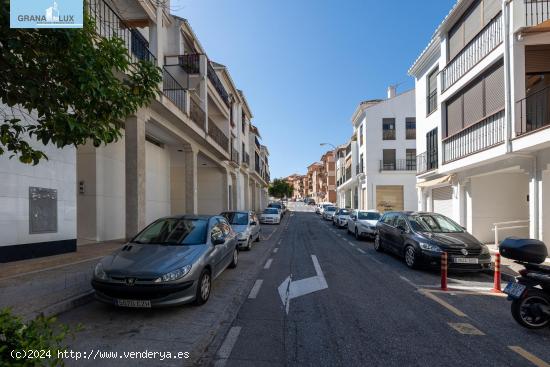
(375,311)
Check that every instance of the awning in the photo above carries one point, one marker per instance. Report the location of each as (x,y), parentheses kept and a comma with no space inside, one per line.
(437,181)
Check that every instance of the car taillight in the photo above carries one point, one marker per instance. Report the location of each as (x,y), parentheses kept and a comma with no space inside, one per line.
(524,272)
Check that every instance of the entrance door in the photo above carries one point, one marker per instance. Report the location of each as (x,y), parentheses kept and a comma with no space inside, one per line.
(389,198)
(442,200)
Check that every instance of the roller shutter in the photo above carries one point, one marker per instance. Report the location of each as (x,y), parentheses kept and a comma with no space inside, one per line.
(454,116)
(490,9)
(473,103)
(537,59)
(494,91)
(442,201)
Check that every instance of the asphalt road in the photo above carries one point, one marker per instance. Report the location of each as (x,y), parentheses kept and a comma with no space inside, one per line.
(375,311)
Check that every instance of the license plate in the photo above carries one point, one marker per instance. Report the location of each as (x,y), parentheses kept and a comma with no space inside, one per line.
(514,290)
(133,303)
(465,260)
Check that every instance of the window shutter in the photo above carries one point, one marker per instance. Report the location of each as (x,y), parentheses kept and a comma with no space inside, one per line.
(473,103)
(490,9)
(472,23)
(454,116)
(537,59)
(456,40)
(494,91)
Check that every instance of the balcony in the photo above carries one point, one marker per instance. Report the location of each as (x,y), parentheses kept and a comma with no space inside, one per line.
(534,112)
(257,142)
(358,169)
(196,113)
(217,135)
(246,159)
(475,138)
(536,12)
(190,63)
(213,77)
(482,44)
(173,90)
(109,25)
(398,165)
(234,156)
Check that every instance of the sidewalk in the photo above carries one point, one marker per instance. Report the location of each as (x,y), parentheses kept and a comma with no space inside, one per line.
(509,268)
(53,284)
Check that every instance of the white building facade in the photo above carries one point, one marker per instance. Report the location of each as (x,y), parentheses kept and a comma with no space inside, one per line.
(482,116)
(189,151)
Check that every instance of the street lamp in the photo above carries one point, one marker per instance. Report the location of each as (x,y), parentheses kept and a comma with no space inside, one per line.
(332,145)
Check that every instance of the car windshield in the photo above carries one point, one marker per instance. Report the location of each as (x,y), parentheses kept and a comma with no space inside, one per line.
(271,211)
(435,223)
(343,212)
(368,215)
(174,231)
(325,206)
(235,218)
(274,205)
(330,209)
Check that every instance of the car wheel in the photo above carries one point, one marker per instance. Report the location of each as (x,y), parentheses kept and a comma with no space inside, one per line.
(203,288)
(258,238)
(235,259)
(347,229)
(377,245)
(526,311)
(249,244)
(357,236)
(410,257)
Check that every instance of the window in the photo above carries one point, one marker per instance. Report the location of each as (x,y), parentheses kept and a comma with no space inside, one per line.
(401,222)
(411,159)
(388,129)
(361,164)
(244,150)
(243,123)
(388,159)
(431,99)
(361,135)
(410,125)
(431,149)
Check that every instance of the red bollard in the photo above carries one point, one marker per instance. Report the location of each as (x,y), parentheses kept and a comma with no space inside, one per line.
(444,271)
(496,287)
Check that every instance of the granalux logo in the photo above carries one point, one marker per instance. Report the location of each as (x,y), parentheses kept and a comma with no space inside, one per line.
(46,13)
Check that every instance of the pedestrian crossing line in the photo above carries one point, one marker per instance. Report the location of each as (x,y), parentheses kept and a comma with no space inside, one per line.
(255,289)
(428,294)
(268,264)
(275,250)
(528,356)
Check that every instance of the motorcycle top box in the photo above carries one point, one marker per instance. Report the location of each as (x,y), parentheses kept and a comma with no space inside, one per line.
(523,250)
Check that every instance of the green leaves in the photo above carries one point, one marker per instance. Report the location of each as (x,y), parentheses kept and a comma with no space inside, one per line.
(78,86)
(280,188)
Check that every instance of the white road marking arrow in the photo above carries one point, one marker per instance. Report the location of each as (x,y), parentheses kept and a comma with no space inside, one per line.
(290,289)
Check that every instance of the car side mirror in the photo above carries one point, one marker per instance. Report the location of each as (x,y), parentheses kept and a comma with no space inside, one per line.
(218,241)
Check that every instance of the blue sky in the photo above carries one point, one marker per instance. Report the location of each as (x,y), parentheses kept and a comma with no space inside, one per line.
(304,65)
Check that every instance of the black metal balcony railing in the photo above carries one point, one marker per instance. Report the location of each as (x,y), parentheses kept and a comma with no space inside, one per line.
(213,77)
(173,90)
(475,138)
(348,173)
(109,25)
(486,41)
(398,165)
(257,142)
(217,135)
(534,111)
(431,102)
(246,158)
(388,135)
(196,113)
(190,63)
(257,167)
(358,169)
(421,163)
(234,155)
(536,12)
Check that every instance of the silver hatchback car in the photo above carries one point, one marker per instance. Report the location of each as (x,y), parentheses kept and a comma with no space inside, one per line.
(247,226)
(171,262)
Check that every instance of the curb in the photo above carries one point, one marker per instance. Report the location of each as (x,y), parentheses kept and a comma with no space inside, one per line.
(65,305)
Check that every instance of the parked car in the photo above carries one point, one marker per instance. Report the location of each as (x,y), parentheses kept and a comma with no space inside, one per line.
(323,206)
(271,216)
(247,226)
(171,262)
(362,223)
(277,206)
(311,202)
(420,238)
(329,212)
(340,218)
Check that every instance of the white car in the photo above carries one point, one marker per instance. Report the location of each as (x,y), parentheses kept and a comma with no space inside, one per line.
(329,212)
(362,223)
(323,206)
(340,219)
(270,216)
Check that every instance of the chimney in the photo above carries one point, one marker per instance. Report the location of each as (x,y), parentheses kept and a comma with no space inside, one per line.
(392,91)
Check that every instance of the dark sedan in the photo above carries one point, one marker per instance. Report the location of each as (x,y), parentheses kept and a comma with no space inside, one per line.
(420,238)
(171,262)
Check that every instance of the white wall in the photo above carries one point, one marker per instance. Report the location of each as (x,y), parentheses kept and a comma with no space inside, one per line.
(210,193)
(157,182)
(59,173)
(489,206)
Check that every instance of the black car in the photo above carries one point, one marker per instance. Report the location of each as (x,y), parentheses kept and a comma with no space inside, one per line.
(420,238)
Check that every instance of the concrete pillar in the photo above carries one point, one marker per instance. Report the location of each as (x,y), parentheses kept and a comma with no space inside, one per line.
(191,176)
(135,174)
(225,188)
(535,201)
(246,186)
(203,88)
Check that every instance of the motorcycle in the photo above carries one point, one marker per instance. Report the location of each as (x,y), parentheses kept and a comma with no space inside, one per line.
(530,292)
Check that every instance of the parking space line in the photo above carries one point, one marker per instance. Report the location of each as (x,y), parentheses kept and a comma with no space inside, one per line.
(360,250)
(275,250)
(268,264)
(227,346)
(465,328)
(408,281)
(528,356)
(255,289)
(427,293)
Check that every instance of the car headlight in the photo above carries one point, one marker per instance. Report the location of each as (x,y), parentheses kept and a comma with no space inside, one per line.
(430,247)
(175,274)
(99,273)
(243,235)
(484,250)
